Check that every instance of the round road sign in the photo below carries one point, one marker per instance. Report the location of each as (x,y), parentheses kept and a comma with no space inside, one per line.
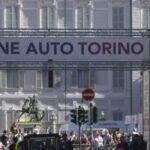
(88,94)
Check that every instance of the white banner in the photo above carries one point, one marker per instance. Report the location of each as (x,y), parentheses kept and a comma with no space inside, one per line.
(74,49)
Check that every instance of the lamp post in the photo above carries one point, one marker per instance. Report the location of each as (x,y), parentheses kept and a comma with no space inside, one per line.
(53,119)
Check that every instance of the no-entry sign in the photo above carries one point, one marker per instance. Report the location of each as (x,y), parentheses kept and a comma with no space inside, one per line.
(88,94)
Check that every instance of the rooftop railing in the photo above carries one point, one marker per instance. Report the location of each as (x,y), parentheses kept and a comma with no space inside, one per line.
(37,32)
(71,65)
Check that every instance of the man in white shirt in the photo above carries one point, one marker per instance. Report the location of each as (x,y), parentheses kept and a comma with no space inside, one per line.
(98,140)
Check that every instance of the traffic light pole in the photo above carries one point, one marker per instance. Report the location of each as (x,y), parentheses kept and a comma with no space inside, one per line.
(79,136)
(79,116)
(91,125)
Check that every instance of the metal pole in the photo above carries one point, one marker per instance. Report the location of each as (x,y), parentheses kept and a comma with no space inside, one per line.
(91,125)
(79,136)
(131,16)
(131,98)
(65,91)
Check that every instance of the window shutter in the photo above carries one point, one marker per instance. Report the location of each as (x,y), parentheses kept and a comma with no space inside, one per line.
(86,17)
(57,78)
(118,79)
(71,78)
(12,17)
(74,78)
(15,17)
(21,79)
(51,17)
(12,78)
(45,79)
(79,17)
(8,17)
(83,78)
(118,17)
(48,17)
(44,17)
(2,79)
(38,79)
(92,78)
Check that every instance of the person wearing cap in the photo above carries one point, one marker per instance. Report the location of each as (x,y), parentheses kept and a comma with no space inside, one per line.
(135,142)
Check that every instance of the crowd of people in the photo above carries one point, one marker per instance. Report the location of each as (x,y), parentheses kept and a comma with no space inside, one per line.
(99,140)
(106,141)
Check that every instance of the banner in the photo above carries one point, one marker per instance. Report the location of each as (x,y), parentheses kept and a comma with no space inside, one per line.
(74,49)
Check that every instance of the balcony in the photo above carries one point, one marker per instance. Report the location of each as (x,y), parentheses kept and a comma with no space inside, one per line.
(27,32)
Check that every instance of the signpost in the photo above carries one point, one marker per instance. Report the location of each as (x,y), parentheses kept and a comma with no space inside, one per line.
(88,94)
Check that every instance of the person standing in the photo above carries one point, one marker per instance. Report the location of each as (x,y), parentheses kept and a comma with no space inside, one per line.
(98,140)
(122,144)
(4,138)
(66,144)
(142,143)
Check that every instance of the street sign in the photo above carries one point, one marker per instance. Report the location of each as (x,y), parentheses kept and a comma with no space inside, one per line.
(88,94)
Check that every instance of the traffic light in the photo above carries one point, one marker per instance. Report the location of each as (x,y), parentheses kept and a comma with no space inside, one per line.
(95,114)
(86,116)
(82,115)
(74,118)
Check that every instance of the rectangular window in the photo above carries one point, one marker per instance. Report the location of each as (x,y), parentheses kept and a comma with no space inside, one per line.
(39,79)
(118,79)
(117,115)
(21,79)
(118,17)
(30,79)
(146,18)
(48,79)
(83,78)
(12,17)
(71,78)
(83,17)
(65,14)
(57,78)
(86,78)
(12,79)
(48,17)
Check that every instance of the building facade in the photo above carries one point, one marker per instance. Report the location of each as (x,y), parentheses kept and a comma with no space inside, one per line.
(59,89)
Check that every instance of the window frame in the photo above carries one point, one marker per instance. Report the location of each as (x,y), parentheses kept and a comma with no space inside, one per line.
(118,79)
(47,13)
(13,9)
(118,19)
(85,23)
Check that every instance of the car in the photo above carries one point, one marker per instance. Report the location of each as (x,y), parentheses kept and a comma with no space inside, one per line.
(41,142)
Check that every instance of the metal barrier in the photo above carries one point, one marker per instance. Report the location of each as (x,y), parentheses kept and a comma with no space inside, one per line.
(93,147)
